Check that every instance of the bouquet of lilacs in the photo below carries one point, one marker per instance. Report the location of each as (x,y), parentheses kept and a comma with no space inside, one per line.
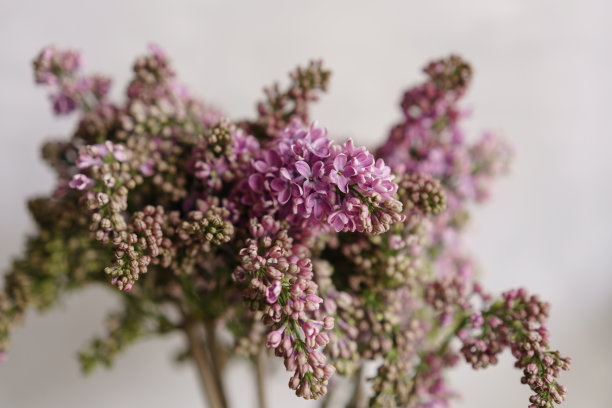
(265,236)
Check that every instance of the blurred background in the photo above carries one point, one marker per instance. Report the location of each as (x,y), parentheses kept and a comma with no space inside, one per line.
(542,77)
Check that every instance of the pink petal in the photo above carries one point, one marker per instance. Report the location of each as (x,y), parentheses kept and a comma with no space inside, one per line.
(303,168)
(317,169)
(318,210)
(285,174)
(278,184)
(284,196)
(349,171)
(260,166)
(342,182)
(340,161)
(256,182)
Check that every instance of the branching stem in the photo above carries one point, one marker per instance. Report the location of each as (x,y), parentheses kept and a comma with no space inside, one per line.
(216,354)
(204,365)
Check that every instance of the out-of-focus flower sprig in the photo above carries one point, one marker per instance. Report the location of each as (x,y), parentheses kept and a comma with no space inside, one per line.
(330,256)
(282,106)
(518,322)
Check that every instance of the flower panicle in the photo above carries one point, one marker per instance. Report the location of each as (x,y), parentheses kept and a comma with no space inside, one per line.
(61,69)
(279,278)
(518,322)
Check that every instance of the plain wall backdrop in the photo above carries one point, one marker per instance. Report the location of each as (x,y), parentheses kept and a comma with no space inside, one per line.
(542,76)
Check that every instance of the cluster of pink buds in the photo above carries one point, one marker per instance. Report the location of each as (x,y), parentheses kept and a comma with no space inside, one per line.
(518,322)
(62,70)
(279,276)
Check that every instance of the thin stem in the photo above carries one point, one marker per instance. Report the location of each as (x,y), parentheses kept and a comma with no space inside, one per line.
(216,357)
(260,365)
(204,366)
(357,399)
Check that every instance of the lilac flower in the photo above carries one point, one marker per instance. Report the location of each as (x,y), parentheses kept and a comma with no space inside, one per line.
(341,173)
(273,291)
(338,220)
(257,182)
(81,182)
(102,149)
(63,103)
(285,186)
(43,68)
(120,153)
(308,177)
(51,65)
(86,160)
(202,169)
(273,339)
(318,202)
(312,177)
(146,168)
(311,328)
(476,320)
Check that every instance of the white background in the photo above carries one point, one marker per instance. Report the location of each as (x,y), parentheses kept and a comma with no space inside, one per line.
(542,76)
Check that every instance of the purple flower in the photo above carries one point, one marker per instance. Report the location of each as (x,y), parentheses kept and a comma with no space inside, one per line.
(102,149)
(318,203)
(316,357)
(244,144)
(257,183)
(319,143)
(311,176)
(100,86)
(146,168)
(341,173)
(476,320)
(311,328)
(120,153)
(269,162)
(202,169)
(86,160)
(273,291)
(338,220)
(319,147)
(62,103)
(80,182)
(70,61)
(285,187)
(273,339)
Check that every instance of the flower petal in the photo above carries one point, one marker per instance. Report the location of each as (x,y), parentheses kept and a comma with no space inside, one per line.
(340,162)
(303,168)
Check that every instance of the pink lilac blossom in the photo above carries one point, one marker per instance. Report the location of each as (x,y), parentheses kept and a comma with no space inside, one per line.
(316,184)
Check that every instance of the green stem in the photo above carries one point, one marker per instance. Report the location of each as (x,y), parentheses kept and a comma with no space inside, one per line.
(260,366)
(204,366)
(216,357)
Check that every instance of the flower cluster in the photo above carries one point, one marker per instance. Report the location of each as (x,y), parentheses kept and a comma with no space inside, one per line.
(280,107)
(315,184)
(518,322)
(280,284)
(328,255)
(74,90)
